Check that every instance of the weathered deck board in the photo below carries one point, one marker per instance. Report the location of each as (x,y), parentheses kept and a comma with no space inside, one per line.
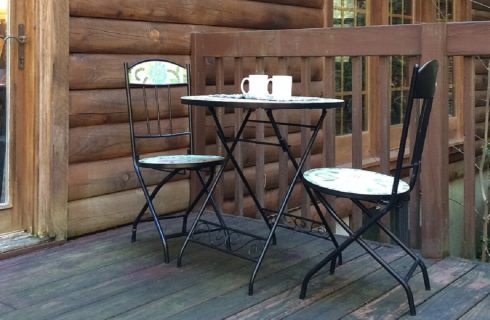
(148,299)
(322,285)
(480,311)
(351,297)
(104,276)
(228,290)
(393,303)
(460,296)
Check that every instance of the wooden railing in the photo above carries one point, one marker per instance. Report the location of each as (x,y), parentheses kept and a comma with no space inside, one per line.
(309,55)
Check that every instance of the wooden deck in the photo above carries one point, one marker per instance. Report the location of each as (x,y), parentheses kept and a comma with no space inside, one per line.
(105,276)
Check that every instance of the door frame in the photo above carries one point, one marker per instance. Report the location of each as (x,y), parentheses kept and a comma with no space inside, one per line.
(39,122)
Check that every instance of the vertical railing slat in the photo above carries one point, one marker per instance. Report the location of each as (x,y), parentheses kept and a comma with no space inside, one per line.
(356,127)
(384,122)
(328,159)
(259,151)
(198,86)
(305,132)
(329,125)
(469,157)
(220,84)
(238,115)
(283,158)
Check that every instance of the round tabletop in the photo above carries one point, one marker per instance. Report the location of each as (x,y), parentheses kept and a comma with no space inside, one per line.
(246,102)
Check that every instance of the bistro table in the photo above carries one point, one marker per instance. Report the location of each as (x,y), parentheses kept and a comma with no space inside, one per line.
(239,242)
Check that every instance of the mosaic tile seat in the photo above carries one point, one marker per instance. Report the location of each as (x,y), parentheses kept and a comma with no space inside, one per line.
(184,161)
(358,183)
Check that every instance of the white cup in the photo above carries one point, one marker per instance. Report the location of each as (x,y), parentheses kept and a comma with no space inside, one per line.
(282,87)
(257,85)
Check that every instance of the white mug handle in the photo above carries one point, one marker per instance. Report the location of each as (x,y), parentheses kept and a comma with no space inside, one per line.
(241,85)
(271,81)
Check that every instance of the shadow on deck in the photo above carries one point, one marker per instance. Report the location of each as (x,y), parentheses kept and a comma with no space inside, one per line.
(105,276)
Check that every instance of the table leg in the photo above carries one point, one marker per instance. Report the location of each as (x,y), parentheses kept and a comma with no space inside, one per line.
(229,152)
(285,200)
(287,150)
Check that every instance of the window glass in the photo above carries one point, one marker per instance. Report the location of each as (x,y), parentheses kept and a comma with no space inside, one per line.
(350,13)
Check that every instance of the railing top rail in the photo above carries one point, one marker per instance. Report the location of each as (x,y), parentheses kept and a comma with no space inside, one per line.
(463,38)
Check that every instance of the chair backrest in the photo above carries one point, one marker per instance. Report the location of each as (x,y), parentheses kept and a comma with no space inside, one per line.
(422,87)
(153,90)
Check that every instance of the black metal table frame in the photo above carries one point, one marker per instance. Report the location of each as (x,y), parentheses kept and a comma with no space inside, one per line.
(282,143)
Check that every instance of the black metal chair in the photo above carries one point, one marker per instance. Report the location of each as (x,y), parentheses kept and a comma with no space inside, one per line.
(154,124)
(388,193)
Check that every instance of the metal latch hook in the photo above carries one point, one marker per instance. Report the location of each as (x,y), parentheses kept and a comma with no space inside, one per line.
(21,39)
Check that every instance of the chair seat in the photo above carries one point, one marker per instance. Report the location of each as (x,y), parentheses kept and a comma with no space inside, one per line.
(357,183)
(184,161)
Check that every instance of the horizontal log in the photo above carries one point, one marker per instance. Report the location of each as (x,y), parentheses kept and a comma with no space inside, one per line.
(88,35)
(95,178)
(112,141)
(480,15)
(223,13)
(300,3)
(108,211)
(98,107)
(480,97)
(479,114)
(481,65)
(104,71)
(481,82)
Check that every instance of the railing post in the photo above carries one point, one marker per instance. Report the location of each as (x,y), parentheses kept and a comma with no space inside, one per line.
(198,86)
(435,162)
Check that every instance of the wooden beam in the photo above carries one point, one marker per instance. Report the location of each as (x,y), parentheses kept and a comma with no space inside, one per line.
(374,40)
(41,107)
(462,38)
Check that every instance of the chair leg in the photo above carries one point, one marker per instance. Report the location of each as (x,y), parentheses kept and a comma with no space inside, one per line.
(149,203)
(407,250)
(217,211)
(151,197)
(356,236)
(193,204)
(205,189)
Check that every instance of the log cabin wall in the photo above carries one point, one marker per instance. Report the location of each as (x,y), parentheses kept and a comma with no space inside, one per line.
(103,191)
(480,12)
